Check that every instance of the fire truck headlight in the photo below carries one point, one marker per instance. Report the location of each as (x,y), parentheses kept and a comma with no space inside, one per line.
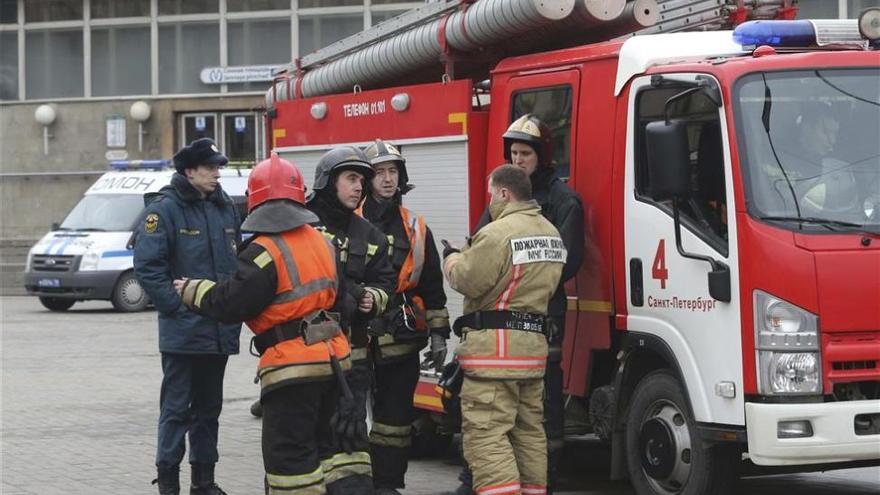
(787,346)
(89,261)
(793,373)
(783,326)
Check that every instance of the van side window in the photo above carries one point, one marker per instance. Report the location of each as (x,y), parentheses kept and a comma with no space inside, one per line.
(553,107)
(705,212)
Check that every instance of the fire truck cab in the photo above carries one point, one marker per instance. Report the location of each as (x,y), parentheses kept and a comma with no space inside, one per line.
(728,307)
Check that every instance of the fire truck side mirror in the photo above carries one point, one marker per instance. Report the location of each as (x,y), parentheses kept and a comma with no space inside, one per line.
(719,282)
(668,154)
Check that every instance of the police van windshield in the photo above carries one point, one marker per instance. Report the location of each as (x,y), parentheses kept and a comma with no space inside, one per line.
(809,144)
(105,212)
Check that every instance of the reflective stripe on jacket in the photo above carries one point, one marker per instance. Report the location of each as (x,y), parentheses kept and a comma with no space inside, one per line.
(306,267)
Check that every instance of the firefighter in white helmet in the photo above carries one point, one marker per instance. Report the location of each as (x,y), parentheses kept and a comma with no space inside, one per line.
(507,274)
(416,313)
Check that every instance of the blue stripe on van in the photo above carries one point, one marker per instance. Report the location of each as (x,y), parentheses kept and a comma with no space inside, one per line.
(117,254)
(64,246)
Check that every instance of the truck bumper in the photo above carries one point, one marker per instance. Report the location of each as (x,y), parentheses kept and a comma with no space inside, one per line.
(73,285)
(834,436)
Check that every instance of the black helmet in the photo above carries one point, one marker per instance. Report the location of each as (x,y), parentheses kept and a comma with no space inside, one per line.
(530,130)
(382,152)
(337,160)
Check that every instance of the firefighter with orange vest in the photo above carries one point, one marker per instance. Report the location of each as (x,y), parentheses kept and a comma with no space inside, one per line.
(416,313)
(340,182)
(284,289)
(507,274)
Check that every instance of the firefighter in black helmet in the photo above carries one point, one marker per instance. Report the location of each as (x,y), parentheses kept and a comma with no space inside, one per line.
(528,145)
(341,178)
(416,313)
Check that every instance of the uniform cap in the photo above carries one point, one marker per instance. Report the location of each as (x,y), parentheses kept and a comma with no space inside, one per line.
(202,151)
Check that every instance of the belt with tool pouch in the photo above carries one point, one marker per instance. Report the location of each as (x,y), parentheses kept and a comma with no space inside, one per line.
(511,320)
(317,327)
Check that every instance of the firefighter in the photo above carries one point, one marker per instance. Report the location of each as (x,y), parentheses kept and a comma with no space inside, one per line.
(507,275)
(416,313)
(190,228)
(284,287)
(338,189)
(528,145)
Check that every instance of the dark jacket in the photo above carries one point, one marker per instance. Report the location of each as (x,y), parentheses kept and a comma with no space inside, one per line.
(386,217)
(360,244)
(183,235)
(562,206)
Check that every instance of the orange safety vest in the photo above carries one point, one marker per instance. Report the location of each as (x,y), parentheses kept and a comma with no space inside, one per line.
(306,266)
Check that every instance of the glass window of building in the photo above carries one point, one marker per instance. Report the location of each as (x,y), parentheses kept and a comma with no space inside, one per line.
(856,7)
(52,10)
(380,2)
(307,4)
(384,15)
(318,32)
(102,9)
(172,7)
(8,11)
(817,9)
(258,43)
(54,61)
(8,66)
(256,5)
(184,50)
(118,61)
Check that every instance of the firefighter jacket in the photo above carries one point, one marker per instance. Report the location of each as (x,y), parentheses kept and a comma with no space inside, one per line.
(183,235)
(280,278)
(514,263)
(414,257)
(359,245)
(562,206)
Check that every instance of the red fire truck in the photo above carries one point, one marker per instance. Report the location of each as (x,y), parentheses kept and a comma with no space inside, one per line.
(728,307)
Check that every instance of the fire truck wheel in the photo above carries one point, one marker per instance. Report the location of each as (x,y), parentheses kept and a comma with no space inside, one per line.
(56,303)
(128,295)
(665,454)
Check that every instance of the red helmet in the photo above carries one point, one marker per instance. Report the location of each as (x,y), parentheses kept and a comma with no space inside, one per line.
(275,178)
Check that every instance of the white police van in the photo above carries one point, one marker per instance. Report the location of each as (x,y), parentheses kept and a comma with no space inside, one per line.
(89,256)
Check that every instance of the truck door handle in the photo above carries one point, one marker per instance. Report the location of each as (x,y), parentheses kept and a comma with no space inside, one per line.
(636,283)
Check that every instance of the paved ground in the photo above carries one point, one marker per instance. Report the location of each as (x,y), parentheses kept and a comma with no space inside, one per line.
(79,406)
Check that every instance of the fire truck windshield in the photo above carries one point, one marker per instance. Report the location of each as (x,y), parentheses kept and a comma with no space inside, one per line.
(809,145)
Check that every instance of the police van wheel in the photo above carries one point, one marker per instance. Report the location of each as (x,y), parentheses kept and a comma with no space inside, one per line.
(128,295)
(56,304)
(664,451)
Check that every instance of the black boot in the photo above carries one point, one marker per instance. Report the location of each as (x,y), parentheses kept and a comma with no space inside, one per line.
(257,409)
(203,481)
(168,480)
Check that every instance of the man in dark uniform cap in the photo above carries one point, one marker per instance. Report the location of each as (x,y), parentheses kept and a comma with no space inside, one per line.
(190,230)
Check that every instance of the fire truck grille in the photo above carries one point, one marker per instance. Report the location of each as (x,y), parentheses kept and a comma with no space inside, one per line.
(853,365)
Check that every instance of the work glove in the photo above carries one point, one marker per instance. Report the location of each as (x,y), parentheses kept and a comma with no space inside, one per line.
(438,351)
(350,419)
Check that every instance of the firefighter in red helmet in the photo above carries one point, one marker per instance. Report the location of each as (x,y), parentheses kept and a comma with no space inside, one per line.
(285,290)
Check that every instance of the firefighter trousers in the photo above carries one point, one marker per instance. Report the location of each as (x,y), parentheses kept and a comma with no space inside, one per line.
(297,438)
(350,473)
(503,435)
(189,404)
(392,420)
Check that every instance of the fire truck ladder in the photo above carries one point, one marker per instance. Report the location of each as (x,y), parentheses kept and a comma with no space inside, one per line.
(465,30)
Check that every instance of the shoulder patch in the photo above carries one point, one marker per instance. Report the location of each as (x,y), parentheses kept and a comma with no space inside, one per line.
(151,223)
(263,259)
(537,249)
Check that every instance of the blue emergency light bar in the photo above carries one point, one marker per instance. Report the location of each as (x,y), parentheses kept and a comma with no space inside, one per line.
(140,164)
(798,34)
